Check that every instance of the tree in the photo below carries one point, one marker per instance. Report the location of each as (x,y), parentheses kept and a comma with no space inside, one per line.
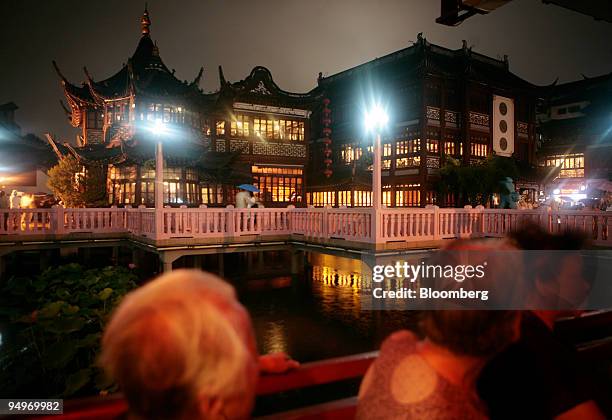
(475,184)
(76,185)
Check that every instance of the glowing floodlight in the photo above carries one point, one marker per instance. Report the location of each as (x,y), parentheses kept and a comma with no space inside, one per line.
(159,128)
(376,119)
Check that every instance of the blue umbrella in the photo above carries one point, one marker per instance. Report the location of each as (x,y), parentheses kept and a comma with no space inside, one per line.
(249,187)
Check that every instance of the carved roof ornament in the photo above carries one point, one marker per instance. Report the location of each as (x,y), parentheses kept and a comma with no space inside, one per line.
(222,80)
(145,22)
(196,81)
(261,88)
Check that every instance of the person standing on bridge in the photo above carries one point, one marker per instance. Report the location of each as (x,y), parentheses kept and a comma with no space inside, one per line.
(244,197)
(4,208)
(15,203)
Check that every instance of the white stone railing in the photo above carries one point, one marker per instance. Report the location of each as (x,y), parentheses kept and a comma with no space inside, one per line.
(351,224)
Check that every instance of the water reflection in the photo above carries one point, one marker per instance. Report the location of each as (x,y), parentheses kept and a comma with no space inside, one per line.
(274,338)
(319,314)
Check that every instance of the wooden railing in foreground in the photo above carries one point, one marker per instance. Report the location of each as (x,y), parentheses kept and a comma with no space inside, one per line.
(364,225)
(594,344)
(308,374)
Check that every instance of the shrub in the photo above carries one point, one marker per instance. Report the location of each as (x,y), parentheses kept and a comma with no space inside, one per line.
(57,319)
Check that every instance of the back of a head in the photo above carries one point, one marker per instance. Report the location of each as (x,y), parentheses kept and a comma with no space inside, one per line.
(532,237)
(476,332)
(179,341)
(550,259)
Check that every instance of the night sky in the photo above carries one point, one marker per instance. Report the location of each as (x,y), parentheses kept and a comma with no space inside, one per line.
(295,39)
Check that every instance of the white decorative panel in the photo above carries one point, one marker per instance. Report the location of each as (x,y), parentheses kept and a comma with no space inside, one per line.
(239,145)
(503,125)
(220,145)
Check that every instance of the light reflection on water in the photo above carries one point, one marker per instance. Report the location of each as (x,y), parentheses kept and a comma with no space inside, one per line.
(274,339)
(319,315)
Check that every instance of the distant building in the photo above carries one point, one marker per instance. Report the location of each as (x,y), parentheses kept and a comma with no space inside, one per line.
(441,102)
(24,159)
(576,136)
(246,132)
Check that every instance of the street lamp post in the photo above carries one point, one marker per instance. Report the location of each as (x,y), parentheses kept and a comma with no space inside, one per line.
(159,176)
(158,130)
(376,119)
(376,174)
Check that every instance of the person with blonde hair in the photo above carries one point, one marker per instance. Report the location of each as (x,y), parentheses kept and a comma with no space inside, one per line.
(182,347)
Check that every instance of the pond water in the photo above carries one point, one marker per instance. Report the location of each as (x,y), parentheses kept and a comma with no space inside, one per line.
(312,315)
(317,314)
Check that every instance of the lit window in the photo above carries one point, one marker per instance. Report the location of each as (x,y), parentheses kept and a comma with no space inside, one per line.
(432,146)
(479,149)
(240,126)
(278,184)
(220,128)
(386,195)
(408,195)
(407,162)
(349,153)
(449,148)
(387,149)
(405,147)
(278,129)
(572,166)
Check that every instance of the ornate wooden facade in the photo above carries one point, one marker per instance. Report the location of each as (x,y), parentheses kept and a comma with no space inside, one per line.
(576,138)
(250,131)
(440,103)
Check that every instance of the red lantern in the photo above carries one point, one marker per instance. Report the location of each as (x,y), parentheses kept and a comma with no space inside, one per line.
(327,152)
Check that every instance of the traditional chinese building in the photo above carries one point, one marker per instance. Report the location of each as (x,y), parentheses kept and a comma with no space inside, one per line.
(24,159)
(441,102)
(249,131)
(576,137)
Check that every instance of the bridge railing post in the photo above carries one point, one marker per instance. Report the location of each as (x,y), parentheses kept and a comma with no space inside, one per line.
(436,222)
(376,225)
(230,221)
(159,223)
(325,228)
(480,222)
(289,218)
(57,219)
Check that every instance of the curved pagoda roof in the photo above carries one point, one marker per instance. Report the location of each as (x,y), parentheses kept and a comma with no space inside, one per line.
(214,166)
(424,57)
(144,73)
(259,86)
